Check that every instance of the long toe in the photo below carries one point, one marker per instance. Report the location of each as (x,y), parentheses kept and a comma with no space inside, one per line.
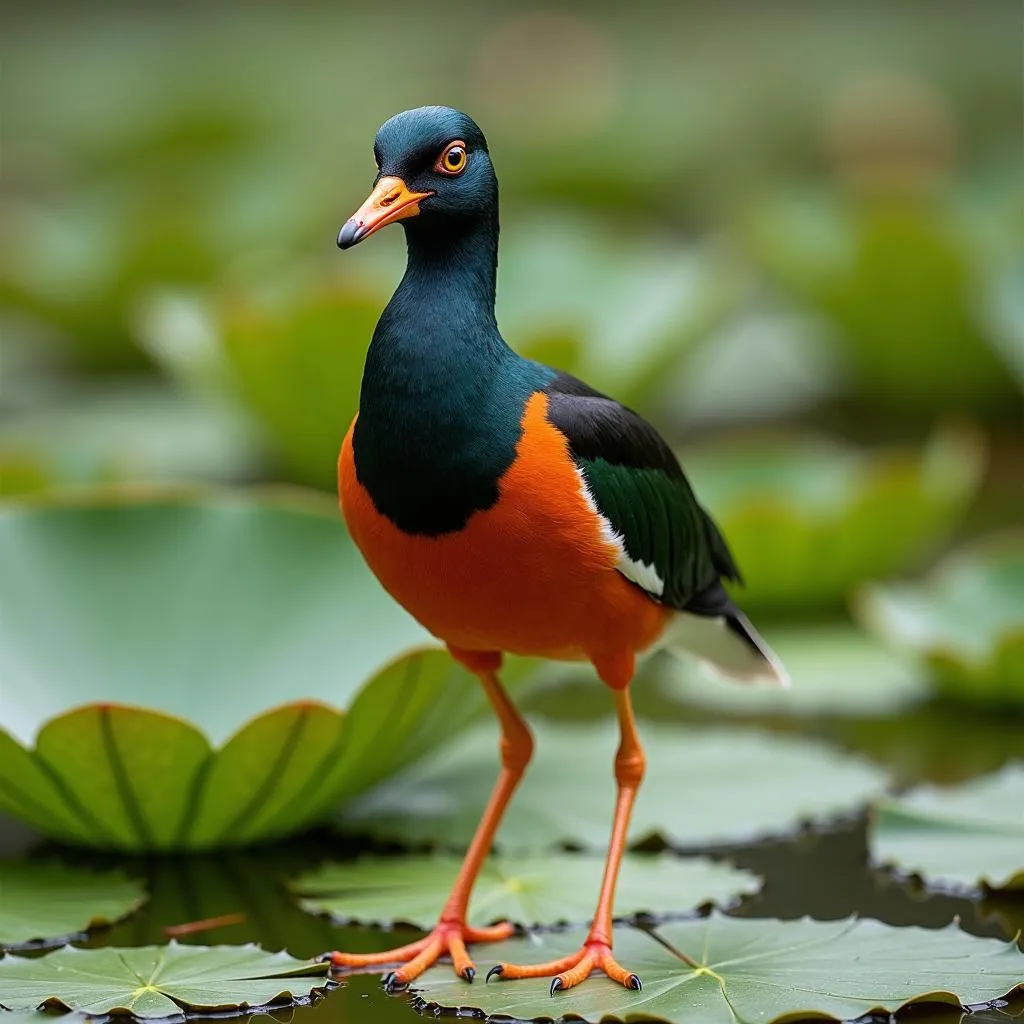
(570,971)
(355,961)
(512,972)
(618,973)
(572,977)
(448,937)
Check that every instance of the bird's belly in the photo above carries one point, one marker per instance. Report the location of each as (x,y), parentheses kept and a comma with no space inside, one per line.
(534,574)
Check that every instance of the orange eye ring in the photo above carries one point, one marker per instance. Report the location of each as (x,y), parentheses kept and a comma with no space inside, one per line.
(453,160)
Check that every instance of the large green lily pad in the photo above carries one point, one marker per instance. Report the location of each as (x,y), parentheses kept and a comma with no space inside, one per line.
(722,969)
(45,903)
(175,671)
(835,669)
(703,787)
(525,890)
(809,519)
(965,621)
(960,837)
(158,981)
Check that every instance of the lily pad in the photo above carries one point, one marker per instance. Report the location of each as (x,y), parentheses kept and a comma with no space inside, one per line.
(810,519)
(835,669)
(722,969)
(965,621)
(298,364)
(525,890)
(962,837)
(702,787)
(46,903)
(176,670)
(158,981)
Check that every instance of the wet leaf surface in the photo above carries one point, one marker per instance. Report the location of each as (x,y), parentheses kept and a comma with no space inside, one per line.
(721,969)
(961,837)
(525,890)
(702,787)
(49,901)
(157,981)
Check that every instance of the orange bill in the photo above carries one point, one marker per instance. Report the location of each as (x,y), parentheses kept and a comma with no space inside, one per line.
(389,201)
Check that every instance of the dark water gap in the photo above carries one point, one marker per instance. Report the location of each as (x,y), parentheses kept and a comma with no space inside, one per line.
(820,873)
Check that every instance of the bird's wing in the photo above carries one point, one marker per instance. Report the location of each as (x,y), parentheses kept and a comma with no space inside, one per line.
(672,548)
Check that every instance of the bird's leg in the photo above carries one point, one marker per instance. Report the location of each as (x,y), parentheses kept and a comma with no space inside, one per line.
(451,933)
(596,952)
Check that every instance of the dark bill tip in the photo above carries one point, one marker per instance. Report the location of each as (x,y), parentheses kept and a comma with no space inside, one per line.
(351,232)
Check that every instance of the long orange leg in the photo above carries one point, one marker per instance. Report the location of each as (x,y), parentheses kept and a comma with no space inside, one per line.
(451,933)
(596,952)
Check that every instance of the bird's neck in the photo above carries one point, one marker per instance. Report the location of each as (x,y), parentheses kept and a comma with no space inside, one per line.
(438,336)
(443,395)
(453,263)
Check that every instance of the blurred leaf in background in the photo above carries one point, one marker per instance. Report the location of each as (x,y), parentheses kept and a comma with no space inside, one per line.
(694,221)
(808,519)
(893,251)
(964,621)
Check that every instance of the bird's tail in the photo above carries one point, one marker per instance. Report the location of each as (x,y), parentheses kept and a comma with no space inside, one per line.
(716,632)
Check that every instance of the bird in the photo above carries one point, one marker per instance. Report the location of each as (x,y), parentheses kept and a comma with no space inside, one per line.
(513,509)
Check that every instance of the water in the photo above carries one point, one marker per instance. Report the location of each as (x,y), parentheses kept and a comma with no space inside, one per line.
(821,874)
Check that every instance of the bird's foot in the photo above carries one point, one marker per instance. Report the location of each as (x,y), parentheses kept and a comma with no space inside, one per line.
(571,970)
(448,937)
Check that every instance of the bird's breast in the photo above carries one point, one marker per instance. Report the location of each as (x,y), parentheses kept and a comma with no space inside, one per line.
(533,573)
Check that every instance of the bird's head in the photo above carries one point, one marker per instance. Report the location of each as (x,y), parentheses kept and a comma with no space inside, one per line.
(433,165)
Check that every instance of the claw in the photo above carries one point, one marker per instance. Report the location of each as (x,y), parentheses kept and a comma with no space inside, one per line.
(494,972)
(469,974)
(392,983)
(635,983)
(556,985)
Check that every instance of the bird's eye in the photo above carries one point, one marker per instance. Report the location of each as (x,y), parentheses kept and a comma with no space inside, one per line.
(453,160)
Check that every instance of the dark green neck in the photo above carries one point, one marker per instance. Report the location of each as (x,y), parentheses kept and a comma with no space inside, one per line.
(442,394)
(461,259)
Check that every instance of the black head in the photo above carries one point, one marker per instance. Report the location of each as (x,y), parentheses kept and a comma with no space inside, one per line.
(432,164)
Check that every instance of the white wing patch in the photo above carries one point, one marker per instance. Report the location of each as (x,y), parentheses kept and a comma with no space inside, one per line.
(640,573)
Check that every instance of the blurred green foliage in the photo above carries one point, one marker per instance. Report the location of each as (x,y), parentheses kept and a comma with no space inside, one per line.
(965,622)
(695,220)
(808,519)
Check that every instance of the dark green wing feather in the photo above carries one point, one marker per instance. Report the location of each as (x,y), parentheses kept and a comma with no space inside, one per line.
(640,488)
